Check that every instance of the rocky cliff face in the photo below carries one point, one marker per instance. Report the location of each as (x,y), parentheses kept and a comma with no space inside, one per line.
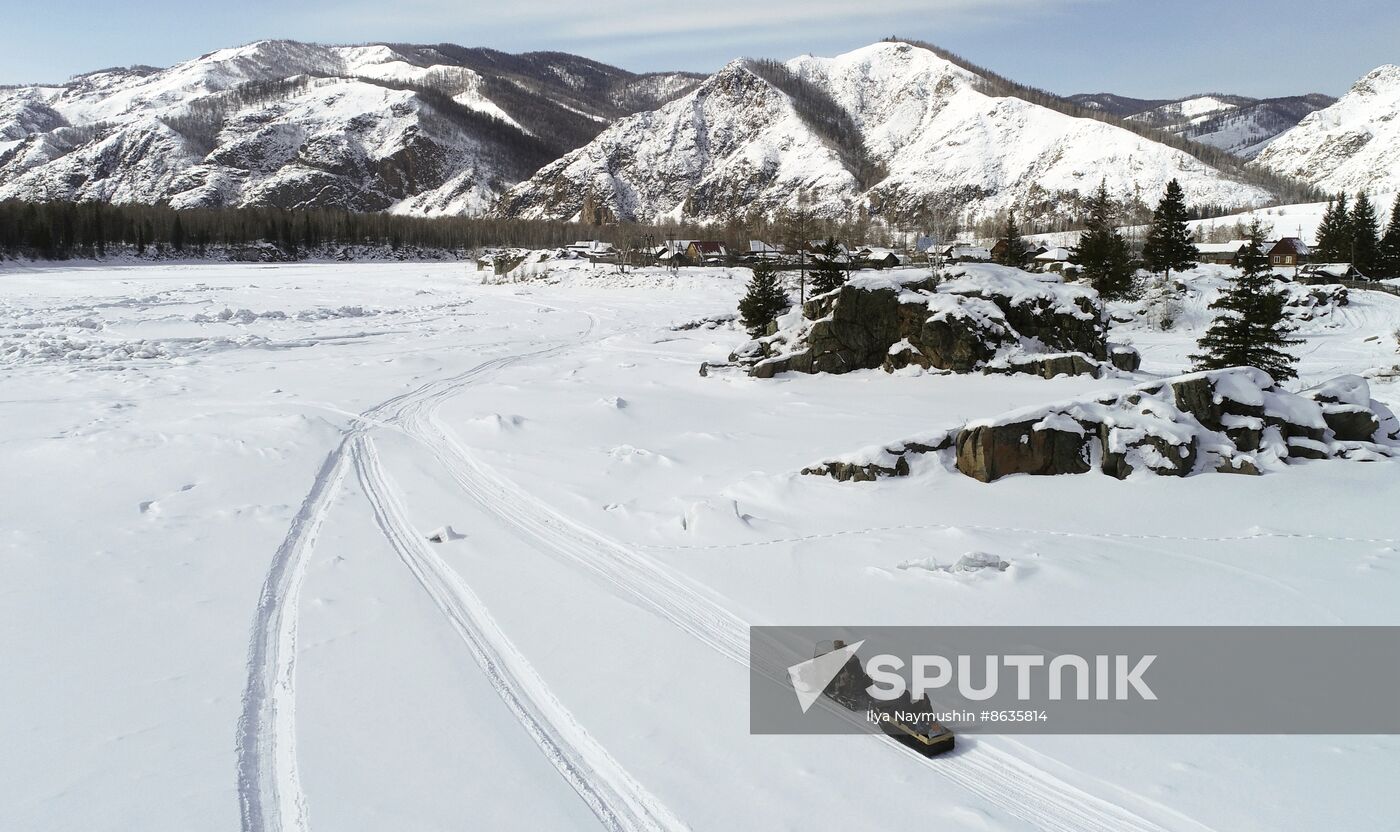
(1350,146)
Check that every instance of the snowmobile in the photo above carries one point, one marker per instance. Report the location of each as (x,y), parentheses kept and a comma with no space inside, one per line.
(903,720)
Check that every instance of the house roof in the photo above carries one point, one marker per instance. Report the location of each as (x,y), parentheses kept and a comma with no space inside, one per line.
(590,246)
(968,251)
(707,246)
(1334,269)
(1232,247)
(1053,255)
(1294,243)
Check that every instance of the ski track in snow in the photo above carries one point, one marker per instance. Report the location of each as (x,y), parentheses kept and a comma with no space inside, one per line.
(269,787)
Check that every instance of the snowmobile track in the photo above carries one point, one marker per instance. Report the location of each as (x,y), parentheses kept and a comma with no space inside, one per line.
(996,776)
(269,790)
(619,802)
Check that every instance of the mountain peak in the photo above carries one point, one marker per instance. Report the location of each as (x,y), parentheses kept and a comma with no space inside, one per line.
(1350,146)
(1384,79)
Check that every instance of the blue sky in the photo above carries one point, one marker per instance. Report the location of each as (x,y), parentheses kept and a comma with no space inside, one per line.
(1132,47)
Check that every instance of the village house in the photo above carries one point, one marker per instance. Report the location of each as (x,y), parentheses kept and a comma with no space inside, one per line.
(595,250)
(1287,252)
(967,253)
(879,258)
(706,252)
(1329,273)
(1220,254)
(759,250)
(1051,259)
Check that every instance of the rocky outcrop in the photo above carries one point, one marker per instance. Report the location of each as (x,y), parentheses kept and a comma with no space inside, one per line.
(990,452)
(1348,411)
(1230,421)
(988,318)
(882,460)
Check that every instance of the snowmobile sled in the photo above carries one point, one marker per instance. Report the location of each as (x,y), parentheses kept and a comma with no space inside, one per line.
(903,720)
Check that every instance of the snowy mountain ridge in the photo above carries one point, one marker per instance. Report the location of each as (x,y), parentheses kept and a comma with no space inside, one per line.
(898,130)
(416,129)
(1350,146)
(944,144)
(1237,124)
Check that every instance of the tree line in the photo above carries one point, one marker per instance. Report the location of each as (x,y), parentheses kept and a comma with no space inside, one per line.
(65,230)
(1353,235)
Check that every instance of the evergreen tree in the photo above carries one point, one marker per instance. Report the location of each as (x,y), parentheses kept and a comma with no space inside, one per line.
(1169,246)
(308,233)
(1015,250)
(1251,327)
(1102,253)
(1389,256)
(1334,233)
(177,235)
(827,273)
(764,301)
(1365,235)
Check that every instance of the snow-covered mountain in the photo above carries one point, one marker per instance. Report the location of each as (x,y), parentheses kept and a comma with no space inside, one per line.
(416,129)
(893,125)
(1188,111)
(1350,146)
(1237,124)
(736,143)
(1247,129)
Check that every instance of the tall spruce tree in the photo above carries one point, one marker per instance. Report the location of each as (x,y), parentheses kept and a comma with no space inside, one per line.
(1251,327)
(764,301)
(1389,260)
(1334,232)
(1015,249)
(1102,253)
(1365,235)
(827,273)
(1169,246)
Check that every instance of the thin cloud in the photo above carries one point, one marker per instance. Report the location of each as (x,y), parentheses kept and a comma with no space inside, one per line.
(621,19)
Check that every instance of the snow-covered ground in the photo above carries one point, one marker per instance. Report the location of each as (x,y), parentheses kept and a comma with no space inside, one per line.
(221,611)
(1298,220)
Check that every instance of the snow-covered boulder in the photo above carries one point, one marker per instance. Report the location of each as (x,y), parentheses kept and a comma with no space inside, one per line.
(869,464)
(987,318)
(1230,421)
(1053,444)
(1348,410)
